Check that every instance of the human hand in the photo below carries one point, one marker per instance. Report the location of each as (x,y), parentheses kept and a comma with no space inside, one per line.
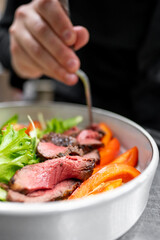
(41,37)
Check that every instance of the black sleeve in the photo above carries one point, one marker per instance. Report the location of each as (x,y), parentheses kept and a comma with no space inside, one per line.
(5,23)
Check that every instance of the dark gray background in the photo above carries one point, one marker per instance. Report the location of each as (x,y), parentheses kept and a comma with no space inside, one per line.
(148,226)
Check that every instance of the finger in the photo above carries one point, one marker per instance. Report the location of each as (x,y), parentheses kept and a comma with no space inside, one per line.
(64,77)
(26,68)
(82,37)
(52,43)
(41,57)
(54,15)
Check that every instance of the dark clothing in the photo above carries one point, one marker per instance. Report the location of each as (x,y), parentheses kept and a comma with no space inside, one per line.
(5,23)
(122,58)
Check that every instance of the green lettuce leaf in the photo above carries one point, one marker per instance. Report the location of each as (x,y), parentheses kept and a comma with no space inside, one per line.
(3,194)
(16,151)
(59,126)
(13,119)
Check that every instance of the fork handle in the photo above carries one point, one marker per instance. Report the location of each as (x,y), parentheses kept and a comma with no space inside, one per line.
(65,5)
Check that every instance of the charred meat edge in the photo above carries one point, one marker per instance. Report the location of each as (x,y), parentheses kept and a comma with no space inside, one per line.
(61,191)
(47,174)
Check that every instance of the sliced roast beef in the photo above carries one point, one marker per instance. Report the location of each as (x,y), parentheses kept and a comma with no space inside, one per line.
(89,140)
(74,151)
(88,145)
(93,155)
(95,127)
(87,134)
(60,191)
(48,150)
(59,139)
(47,174)
(4,186)
(73,132)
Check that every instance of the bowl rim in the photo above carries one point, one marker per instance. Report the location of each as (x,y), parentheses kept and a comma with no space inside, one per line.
(8,208)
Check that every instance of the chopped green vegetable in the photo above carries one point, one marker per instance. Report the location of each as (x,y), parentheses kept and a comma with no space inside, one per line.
(16,151)
(34,135)
(3,194)
(42,121)
(59,126)
(13,119)
(71,122)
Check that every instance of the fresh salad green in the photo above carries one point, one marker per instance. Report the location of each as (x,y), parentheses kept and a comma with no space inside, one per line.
(16,151)
(12,120)
(59,125)
(3,194)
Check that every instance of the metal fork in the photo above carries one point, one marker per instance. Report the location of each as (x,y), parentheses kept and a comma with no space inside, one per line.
(81,74)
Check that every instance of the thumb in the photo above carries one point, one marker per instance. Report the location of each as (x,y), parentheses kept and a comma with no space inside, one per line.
(82,37)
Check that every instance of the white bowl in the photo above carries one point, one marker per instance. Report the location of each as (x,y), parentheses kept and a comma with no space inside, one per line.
(104,216)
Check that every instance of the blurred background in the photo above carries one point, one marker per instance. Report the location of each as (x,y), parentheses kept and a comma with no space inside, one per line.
(7,93)
(32,90)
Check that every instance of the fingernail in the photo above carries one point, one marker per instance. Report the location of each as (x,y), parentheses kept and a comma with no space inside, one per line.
(72,64)
(71,79)
(67,35)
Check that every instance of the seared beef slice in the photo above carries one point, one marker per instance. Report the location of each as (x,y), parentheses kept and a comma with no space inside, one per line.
(93,155)
(89,140)
(47,174)
(59,139)
(55,145)
(73,132)
(60,191)
(48,150)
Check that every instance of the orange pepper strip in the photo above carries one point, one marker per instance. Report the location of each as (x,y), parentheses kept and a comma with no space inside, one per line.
(30,127)
(129,157)
(106,186)
(107,173)
(97,168)
(18,126)
(108,153)
(108,133)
